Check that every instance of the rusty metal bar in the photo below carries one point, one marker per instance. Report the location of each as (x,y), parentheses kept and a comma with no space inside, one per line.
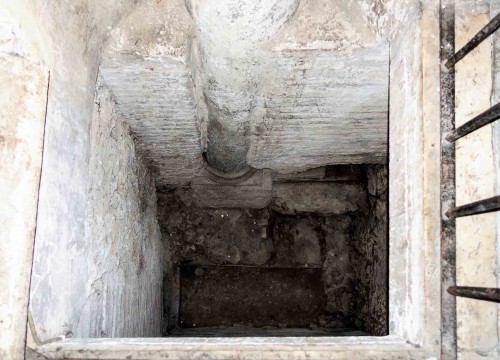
(448,231)
(486,294)
(475,208)
(482,35)
(478,122)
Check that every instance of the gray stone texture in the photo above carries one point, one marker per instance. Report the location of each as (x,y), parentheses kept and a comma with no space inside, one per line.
(323,108)
(113,269)
(155,97)
(121,224)
(323,197)
(22,119)
(254,192)
(67,37)
(370,243)
(254,90)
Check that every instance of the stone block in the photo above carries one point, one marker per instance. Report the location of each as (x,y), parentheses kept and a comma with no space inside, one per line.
(324,198)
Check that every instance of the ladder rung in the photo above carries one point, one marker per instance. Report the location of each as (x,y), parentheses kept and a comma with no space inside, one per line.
(476,208)
(478,293)
(489,29)
(478,122)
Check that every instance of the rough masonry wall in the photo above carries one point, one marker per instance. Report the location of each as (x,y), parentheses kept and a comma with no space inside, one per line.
(123,295)
(308,224)
(371,254)
(477,246)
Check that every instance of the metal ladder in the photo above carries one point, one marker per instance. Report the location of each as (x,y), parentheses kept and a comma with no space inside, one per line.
(449,210)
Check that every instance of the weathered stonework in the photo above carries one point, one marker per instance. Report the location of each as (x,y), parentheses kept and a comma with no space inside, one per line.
(121,221)
(22,122)
(477,246)
(114,268)
(67,37)
(371,253)
(322,223)
(238,81)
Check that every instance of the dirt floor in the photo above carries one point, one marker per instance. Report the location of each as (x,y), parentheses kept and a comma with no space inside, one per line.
(271,269)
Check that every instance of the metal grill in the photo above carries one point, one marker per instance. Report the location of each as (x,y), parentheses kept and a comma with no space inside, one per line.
(449,210)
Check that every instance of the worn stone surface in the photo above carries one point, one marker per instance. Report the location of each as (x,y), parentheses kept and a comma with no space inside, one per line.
(33,355)
(323,108)
(250,86)
(406,169)
(228,48)
(339,284)
(477,249)
(255,192)
(244,348)
(214,236)
(121,224)
(326,198)
(155,97)
(114,269)
(333,25)
(66,37)
(22,120)
(414,277)
(335,173)
(495,8)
